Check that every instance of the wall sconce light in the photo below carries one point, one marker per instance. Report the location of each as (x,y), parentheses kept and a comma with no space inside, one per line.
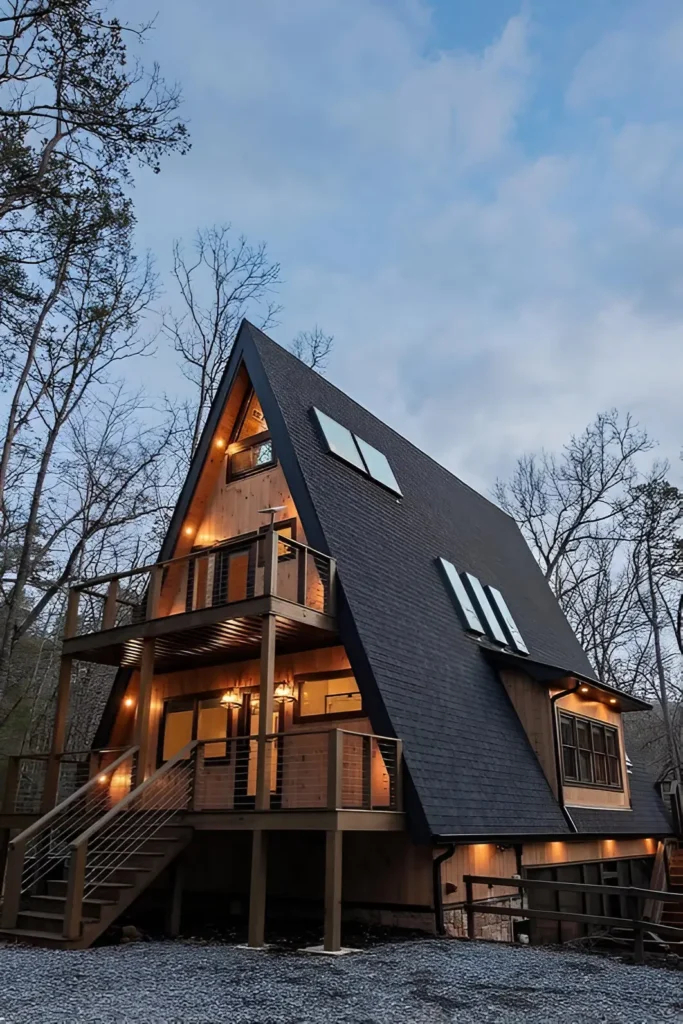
(188,531)
(102,779)
(613,700)
(128,702)
(284,693)
(584,689)
(232,698)
(219,442)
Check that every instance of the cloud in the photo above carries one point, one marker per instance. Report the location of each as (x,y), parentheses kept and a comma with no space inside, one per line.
(496,266)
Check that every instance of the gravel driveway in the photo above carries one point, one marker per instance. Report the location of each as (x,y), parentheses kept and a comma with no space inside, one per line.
(411,982)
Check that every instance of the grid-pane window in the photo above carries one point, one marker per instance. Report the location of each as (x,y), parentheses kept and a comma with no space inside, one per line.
(590,752)
(259,455)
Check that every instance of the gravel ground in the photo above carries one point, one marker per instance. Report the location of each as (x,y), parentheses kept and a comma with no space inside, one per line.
(413,982)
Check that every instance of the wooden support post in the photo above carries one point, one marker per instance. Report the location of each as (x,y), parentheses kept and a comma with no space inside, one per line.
(73,909)
(156,578)
(109,613)
(257,894)
(331,603)
(333,891)
(634,909)
(15,871)
(51,784)
(270,561)
(175,904)
(335,751)
(265,721)
(142,737)
(469,899)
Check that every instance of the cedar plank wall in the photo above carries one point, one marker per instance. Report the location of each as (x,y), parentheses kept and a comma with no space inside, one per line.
(531,701)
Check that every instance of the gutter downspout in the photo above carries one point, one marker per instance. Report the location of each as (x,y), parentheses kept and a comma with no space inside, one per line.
(558,759)
(438,890)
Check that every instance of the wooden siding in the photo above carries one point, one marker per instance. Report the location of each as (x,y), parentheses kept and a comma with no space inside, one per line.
(539,854)
(477,859)
(534,710)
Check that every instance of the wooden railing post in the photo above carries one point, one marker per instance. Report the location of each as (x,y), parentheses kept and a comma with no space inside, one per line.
(332,589)
(469,899)
(9,799)
(335,753)
(156,577)
(302,575)
(366,770)
(13,877)
(109,613)
(633,904)
(270,562)
(198,775)
(73,911)
(397,804)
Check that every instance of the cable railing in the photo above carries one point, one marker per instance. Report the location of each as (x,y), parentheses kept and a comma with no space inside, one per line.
(111,842)
(37,852)
(26,776)
(229,572)
(332,769)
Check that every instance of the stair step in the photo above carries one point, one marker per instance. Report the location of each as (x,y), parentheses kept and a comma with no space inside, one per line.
(34,937)
(31,920)
(57,904)
(107,892)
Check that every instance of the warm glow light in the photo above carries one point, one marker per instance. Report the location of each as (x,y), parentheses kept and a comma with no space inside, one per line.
(585,689)
(128,702)
(220,443)
(613,700)
(232,698)
(284,693)
(102,778)
(189,531)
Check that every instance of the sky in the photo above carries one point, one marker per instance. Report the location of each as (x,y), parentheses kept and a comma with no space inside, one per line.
(481,199)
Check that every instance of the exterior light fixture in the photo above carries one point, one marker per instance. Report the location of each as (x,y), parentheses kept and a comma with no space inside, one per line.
(585,689)
(284,693)
(219,442)
(613,700)
(128,702)
(232,698)
(102,779)
(188,531)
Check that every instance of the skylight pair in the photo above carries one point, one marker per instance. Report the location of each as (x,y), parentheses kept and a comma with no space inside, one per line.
(482,609)
(357,452)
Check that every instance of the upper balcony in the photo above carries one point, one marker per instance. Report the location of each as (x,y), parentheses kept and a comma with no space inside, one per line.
(206,606)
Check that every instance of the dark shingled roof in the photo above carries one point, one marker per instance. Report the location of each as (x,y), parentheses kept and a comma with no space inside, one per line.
(472,768)
(472,771)
(648,816)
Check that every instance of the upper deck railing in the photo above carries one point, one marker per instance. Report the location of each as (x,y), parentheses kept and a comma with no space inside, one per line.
(228,573)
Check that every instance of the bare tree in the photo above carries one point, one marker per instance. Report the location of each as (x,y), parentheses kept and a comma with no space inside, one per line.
(561,501)
(221,281)
(313,347)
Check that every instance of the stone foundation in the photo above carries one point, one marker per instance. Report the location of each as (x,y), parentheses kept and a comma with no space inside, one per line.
(493,927)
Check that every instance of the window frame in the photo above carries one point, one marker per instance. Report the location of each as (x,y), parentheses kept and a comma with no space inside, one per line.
(591,724)
(312,677)
(236,447)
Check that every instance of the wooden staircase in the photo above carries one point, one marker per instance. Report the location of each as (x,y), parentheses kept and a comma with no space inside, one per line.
(672,913)
(73,872)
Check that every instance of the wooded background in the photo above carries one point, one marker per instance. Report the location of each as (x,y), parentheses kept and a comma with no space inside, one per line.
(90,469)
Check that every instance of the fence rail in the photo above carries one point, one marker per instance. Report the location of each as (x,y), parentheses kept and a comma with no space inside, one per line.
(26,774)
(253,565)
(635,900)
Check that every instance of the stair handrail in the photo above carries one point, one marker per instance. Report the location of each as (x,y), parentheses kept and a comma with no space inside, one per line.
(676,798)
(75,891)
(16,854)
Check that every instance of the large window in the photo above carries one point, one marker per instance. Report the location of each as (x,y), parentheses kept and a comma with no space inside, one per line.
(590,752)
(186,719)
(328,693)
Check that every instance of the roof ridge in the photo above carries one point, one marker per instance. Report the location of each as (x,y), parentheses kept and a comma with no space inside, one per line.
(405,440)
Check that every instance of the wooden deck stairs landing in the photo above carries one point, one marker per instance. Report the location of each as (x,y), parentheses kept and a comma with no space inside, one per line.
(73,872)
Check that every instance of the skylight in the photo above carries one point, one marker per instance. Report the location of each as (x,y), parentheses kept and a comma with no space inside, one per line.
(463,604)
(357,452)
(340,440)
(377,465)
(483,606)
(507,622)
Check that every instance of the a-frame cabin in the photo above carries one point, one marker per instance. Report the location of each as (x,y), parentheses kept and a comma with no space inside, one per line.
(345,682)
